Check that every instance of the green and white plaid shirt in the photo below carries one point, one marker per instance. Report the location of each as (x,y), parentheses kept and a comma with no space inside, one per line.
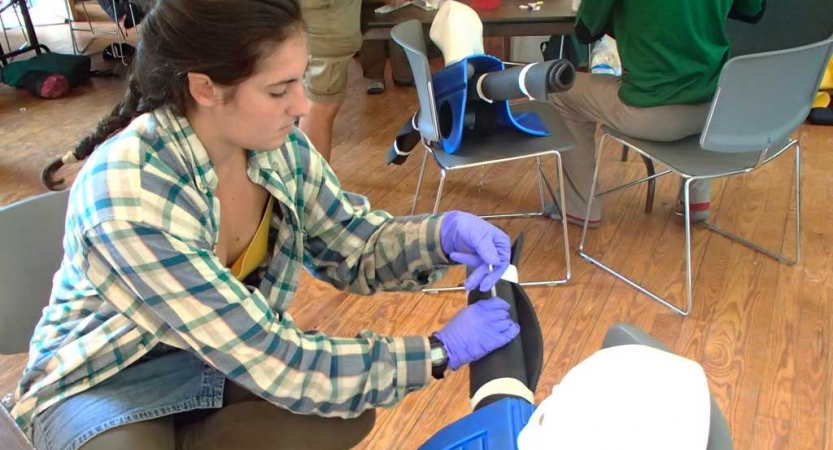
(140,268)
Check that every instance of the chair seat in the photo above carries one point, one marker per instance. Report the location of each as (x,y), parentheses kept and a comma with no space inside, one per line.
(509,143)
(687,157)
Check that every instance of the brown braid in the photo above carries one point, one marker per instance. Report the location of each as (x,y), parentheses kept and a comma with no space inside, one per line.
(223,39)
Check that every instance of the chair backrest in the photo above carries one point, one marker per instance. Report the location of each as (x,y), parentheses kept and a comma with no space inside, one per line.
(763,97)
(410,37)
(785,24)
(31,235)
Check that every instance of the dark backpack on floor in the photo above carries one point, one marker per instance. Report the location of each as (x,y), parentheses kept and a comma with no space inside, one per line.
(75,68)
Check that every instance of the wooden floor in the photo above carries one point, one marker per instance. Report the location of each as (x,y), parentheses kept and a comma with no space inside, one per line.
(761,330)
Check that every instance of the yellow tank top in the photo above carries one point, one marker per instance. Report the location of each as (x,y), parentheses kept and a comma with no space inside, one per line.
(255,253)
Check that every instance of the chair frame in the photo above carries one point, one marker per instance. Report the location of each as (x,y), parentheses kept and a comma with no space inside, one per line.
(543,182)
(121,36)
(687,180)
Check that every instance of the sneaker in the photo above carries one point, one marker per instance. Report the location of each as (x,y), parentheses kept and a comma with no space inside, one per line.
(376,87)
(552,210)
(116,51)
(699,212)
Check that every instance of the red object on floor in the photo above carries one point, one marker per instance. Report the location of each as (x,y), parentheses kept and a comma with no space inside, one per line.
(484,5)
(54,86)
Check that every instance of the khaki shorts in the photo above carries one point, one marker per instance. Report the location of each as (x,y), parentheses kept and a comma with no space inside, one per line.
(333,37)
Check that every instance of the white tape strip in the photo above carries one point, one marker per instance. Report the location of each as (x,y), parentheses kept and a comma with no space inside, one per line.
(480,90)
(511,274)
(507,386)
(522,80)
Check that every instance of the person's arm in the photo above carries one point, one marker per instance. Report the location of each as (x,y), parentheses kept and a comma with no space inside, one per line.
(749,11)
(355,248)
(180,284)
(593,20)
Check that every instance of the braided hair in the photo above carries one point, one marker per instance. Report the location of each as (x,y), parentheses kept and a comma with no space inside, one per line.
(223,39)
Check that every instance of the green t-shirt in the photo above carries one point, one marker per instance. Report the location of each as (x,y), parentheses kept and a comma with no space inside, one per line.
(672,51)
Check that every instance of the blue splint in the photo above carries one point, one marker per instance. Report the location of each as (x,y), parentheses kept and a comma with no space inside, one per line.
(451,90)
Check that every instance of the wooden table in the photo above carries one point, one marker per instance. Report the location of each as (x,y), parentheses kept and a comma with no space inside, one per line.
(554,17)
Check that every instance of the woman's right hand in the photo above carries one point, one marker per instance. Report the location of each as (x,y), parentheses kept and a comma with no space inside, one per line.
(476,331)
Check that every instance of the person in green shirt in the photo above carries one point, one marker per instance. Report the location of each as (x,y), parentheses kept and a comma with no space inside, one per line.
(672,52)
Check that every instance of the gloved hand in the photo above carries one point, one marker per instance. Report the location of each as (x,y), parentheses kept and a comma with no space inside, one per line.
(476,331)
(470,240)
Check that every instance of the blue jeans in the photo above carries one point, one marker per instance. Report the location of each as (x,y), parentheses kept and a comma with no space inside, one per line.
(170,399)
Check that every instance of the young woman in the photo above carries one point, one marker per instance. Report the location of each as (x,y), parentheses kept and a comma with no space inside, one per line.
(187,229)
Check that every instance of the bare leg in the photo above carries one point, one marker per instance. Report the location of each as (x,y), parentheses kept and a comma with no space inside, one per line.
(318,126)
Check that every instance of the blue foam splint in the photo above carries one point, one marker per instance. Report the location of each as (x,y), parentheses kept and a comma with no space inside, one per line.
(451,91)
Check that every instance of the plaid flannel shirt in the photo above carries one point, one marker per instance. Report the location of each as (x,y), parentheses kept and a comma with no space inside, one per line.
(140,268)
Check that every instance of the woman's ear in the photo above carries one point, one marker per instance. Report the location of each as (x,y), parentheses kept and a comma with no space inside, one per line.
(203,90)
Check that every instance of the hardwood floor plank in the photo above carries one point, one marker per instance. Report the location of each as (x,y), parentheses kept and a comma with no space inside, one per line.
(812,366)
(770,433)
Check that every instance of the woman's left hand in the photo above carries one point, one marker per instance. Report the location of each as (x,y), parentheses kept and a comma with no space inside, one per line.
(470,240)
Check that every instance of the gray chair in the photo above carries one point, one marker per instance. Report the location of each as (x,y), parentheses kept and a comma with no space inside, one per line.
(720,437)
(744,130)
(503,146)
(785,24)
(31,234)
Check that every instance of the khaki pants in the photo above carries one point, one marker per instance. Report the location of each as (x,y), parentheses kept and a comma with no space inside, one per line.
(333,37)
(594,99)
(245,422)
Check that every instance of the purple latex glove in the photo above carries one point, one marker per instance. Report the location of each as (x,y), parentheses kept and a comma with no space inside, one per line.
(476,331)
(470,240)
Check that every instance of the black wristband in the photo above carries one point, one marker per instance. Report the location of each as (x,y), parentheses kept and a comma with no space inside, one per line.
(439,357)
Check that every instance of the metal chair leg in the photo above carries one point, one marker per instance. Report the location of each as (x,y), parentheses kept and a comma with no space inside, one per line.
(592,197)
(6,36)
(652,185)
(90,29)
(87,16)
(543,182)
(72,29)
(617,274)
(780,257)
(540,169)
(687,220)
(564,233)
(419,181)
(688,289)
(121,39)
(443,174)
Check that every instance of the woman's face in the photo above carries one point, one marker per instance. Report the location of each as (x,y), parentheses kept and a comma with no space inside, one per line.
(263,108)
